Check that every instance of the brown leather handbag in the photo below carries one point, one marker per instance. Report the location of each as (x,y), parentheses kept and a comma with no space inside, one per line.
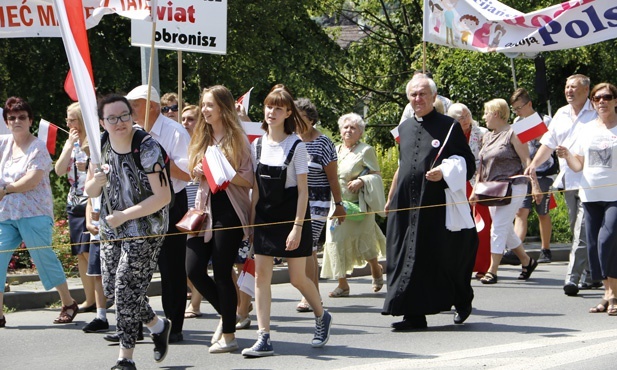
(492,193)
(192,222)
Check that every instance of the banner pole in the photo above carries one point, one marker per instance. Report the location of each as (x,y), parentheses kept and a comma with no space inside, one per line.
(151,66)
(513,73)
(423,56)
(180,101)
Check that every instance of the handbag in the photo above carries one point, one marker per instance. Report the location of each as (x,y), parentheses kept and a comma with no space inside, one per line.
(192,222)
(492,193)
(354,213)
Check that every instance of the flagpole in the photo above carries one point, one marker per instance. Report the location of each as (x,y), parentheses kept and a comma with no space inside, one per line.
(423,56)
(151,66)
(180,101)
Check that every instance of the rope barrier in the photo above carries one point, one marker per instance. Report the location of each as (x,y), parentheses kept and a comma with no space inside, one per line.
(324,218)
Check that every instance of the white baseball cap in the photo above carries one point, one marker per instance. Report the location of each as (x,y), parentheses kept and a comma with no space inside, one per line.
(141,92)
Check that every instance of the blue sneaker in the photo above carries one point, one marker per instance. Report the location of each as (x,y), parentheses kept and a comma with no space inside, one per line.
(322,330)
(261,348)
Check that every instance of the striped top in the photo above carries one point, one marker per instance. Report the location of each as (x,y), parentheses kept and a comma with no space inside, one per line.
(321,152)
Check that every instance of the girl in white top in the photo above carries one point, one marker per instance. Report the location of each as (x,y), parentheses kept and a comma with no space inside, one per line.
(279,211)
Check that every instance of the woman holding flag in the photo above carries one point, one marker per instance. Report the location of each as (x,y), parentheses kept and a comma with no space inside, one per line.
(219,127)
(26,205)
(69,163)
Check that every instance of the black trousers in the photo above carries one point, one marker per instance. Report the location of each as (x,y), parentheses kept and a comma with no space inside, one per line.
(172,266)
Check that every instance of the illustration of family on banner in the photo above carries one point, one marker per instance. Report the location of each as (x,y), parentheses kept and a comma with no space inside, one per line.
(487,25)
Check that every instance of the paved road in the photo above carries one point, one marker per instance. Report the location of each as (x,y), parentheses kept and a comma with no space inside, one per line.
(514,325)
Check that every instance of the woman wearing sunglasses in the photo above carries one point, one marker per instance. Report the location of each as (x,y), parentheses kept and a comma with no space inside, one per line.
(170,106)
(595,153)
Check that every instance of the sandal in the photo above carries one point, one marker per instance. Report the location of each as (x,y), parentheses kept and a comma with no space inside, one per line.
(601,307)
(612,307)
(65,317)
(338,292)
(479,275)
(527,270)
(378,282)
(304,307)
(489,278)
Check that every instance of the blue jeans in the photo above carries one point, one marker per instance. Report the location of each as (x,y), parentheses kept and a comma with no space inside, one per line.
(36,233)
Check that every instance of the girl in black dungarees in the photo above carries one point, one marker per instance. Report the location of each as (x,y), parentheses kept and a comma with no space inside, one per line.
(280,209)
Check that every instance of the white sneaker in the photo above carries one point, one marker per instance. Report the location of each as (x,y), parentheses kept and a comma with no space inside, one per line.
(222,347)
(218,333)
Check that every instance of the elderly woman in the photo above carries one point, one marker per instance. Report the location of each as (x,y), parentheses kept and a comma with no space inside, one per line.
(358,239)
(26,204)
(474,134)
(501,157)
(75,169)
(593,154)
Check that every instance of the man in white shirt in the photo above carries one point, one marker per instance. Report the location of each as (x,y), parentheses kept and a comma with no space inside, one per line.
(174,138)
(564,130)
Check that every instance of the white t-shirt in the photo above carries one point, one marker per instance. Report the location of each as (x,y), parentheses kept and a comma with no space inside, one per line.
(599,147)
(274,154)
(564,130)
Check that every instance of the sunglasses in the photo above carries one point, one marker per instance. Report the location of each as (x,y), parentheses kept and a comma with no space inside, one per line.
(173,108)
(605,97)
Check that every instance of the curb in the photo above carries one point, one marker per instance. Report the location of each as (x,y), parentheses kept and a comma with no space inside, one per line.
(28,293)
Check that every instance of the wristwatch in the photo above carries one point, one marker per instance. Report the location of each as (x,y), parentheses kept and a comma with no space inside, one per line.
(339,203)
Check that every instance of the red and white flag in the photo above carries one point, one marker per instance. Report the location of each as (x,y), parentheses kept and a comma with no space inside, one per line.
(252,130)
(394,133)
(217,169)
(48,133)
(70,16)
(246,280)
(244,100)
(529,128)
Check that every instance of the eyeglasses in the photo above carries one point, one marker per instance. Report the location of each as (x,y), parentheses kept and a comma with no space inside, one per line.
(70,120)
(113,120)
(22,117)
(173,108)
(516,109)
(605,97)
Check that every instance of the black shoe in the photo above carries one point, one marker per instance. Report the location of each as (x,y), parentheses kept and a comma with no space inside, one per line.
(410,323)
(96,326)
(176,337)
(592,285)
(570,289)
(462,314)
(124,364)
(509,258)
(161,341)
(546,256)
(115,338)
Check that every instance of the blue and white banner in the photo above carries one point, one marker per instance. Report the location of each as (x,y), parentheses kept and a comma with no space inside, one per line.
(487,25)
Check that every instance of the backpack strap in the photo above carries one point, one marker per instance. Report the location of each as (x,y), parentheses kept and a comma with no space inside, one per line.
(140,136)
(291,153)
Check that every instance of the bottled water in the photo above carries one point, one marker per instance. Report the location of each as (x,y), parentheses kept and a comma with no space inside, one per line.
(95,221)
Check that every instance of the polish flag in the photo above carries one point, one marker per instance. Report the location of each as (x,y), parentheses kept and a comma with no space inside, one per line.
(253,130)
(394,133)
(70,16)
(246,280)
(529,128)
(217,169)
(48,133)
(244,100)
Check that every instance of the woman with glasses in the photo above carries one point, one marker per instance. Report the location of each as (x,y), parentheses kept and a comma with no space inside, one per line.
(134,219)
(26,205)
(595,153)
(75,169)
(170,106)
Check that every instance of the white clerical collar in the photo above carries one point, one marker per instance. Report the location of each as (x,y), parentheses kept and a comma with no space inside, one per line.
(419,119)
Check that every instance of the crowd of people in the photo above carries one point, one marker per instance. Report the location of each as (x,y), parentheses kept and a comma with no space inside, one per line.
(291,186)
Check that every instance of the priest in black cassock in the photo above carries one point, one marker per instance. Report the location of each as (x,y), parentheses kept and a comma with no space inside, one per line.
(429,268)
